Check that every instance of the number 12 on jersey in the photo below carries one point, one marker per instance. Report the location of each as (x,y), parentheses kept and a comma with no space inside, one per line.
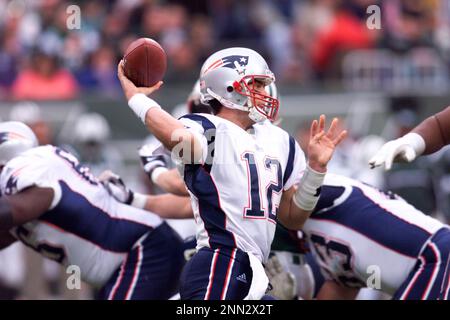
(255,208)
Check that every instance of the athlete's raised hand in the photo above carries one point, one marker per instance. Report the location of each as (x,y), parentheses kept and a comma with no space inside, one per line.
(129,89)
(322,143)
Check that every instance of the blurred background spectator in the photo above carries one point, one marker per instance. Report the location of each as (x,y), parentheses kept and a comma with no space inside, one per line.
(30,114)
(91,135)
(43,79)
(305,41)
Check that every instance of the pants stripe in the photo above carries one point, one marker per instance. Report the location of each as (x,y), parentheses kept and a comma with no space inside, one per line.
(150,270)
(428,279)
(119,280)
(445,273)
(137,270)
(445,289)
(414,279)
(211,273)
(228,276)
(446,295)
(435,270)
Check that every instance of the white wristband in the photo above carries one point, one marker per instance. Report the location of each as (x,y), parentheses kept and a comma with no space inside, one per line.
(307,194)
(415,141)
(139,200)
(157,172)
(140,104)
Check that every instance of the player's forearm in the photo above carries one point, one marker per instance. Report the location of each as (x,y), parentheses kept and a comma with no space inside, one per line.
(165,128)
(298,202)
(435,131)
(296,217)
(27,205)
(330,290)
(171,182)
(161,124)
(289,214)
(169,206)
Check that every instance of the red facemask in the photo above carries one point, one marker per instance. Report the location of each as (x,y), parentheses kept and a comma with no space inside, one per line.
(263,103)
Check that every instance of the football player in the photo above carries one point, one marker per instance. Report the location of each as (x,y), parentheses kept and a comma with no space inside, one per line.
(240,177)
(55,206)
(429,136)
(360,237)
(363,237)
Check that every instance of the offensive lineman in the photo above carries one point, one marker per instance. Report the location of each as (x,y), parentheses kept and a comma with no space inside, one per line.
(55,206)
(357,231)
(238,175)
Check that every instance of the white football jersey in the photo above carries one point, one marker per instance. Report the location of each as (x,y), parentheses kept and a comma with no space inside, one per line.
(364,237)
(236,192)
(84,225)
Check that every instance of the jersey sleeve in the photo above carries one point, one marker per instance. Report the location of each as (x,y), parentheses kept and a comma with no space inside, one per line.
(295,166)
(22,173)
(202,128)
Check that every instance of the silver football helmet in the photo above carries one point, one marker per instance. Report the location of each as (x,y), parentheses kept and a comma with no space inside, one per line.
(230,75)
(273,91)
(91,127)
(15,138)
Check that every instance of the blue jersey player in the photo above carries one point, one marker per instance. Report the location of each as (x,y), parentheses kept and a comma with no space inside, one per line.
(363,237)
(55,206)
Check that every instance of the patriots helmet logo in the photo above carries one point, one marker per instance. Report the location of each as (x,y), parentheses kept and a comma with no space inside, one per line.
(11,185)
(6,136)
(236,62)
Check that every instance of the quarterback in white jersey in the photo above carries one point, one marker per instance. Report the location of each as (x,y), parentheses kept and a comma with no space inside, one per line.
(364,237)
(270,160)
(55,206)
(240,175)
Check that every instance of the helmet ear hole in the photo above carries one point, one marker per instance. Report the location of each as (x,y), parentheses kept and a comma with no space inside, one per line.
(230,89)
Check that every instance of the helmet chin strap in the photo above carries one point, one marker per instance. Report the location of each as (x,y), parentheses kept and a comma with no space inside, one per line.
(253,114)
(256,116)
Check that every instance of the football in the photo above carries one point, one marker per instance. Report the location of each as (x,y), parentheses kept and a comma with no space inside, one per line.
(145,62)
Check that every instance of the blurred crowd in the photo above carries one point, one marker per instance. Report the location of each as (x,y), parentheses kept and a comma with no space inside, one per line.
(304,40)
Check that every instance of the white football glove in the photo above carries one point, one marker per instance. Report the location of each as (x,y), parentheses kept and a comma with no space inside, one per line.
(406,149)
(116,187)
(284,284)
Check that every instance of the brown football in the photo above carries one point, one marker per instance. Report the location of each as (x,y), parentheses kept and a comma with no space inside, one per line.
(145,62)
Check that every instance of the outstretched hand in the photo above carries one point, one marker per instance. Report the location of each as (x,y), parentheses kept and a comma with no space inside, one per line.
(393,151)
(129,89)
(322,144)
(115,186)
